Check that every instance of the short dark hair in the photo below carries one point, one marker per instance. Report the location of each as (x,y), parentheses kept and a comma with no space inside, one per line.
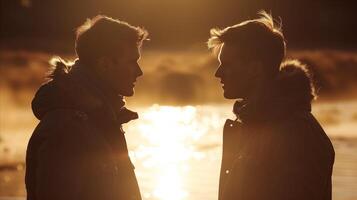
(255,39)
(102,35)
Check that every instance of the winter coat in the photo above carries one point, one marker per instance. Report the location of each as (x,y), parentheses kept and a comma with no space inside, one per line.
(276,149)
(78,150)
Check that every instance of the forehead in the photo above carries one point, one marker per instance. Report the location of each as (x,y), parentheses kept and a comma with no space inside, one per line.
(127,51)
(134,52)
(228,52)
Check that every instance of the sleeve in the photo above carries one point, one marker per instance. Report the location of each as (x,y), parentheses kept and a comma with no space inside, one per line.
(59,162)
(282,166)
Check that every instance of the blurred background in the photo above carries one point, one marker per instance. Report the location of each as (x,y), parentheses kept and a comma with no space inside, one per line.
(180,103)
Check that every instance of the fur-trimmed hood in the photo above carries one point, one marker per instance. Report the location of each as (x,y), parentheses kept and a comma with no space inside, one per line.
(295,82)
(70,87)
(291,91)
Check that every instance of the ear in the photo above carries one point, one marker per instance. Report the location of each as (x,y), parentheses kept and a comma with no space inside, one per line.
(103,63)
(256,69)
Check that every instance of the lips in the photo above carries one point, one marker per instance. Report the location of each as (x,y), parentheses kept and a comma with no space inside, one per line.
(223,84)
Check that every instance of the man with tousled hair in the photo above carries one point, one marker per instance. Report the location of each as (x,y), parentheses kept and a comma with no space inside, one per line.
(78,150)
(275,149)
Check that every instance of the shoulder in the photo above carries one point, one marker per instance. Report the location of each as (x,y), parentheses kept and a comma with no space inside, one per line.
(301,133)
(301,127)
(61,133)
(61,123)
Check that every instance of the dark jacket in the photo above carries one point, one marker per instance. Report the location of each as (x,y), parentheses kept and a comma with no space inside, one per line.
(78,150)
(276,150)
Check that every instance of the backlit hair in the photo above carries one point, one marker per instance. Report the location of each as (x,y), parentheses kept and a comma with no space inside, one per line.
(257,39)
(102,35)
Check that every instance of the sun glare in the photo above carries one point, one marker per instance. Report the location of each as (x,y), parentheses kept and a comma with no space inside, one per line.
(169,131)
(168,146)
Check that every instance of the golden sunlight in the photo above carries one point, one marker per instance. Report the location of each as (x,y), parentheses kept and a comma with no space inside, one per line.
(173,140)
(168,132)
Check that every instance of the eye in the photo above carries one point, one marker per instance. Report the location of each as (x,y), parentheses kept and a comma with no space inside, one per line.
(225,65)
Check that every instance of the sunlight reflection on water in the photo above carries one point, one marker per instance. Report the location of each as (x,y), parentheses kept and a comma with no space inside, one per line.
(177,150)
(172,141)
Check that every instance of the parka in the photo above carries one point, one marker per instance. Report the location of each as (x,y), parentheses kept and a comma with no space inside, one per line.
(78,150)
(276,149)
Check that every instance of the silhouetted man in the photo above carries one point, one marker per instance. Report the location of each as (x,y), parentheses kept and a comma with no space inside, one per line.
(78,151)
(275,149)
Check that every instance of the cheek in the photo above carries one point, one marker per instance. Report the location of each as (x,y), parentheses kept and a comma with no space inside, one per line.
(231,75)
(116,76)
(236,79)
(121,71)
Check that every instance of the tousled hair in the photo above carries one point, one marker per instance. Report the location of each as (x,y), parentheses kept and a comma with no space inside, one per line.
(257,39)
(262,39)
(99,36)
(102,35)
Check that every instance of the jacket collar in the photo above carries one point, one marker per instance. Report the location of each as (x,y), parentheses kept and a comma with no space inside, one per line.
(291,91)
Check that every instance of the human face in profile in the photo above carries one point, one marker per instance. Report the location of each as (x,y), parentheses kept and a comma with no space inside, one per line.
(237,73)
(122,70)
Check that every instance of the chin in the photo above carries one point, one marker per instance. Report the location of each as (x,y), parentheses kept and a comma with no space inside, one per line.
(230,95)
(128,92)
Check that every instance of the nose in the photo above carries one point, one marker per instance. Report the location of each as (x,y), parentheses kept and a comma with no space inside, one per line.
(219,72)
(139,72)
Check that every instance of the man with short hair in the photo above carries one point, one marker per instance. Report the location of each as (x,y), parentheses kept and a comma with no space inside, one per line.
(275,149)
(78,150)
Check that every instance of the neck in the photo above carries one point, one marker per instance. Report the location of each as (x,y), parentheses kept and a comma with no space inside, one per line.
(258,92)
